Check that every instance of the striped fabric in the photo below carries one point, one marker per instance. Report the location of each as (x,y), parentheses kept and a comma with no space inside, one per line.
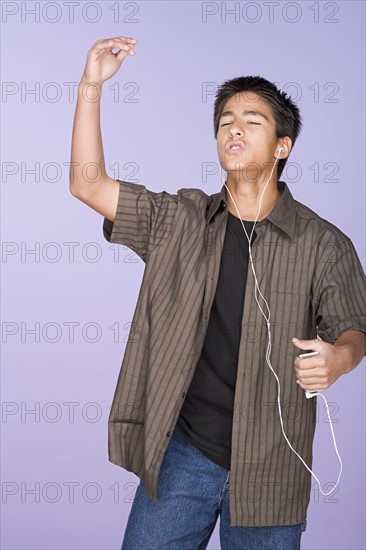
(313,281)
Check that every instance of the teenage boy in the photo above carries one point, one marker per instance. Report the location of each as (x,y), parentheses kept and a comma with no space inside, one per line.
(230,280)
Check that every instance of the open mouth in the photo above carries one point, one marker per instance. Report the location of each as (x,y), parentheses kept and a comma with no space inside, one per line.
(234,146)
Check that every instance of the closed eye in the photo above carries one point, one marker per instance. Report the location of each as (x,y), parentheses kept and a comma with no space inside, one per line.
(249,122)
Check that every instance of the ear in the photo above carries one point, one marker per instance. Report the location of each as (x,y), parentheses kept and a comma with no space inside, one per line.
(286,145)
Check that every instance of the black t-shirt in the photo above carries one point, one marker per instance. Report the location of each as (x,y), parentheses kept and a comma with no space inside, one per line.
(207,412)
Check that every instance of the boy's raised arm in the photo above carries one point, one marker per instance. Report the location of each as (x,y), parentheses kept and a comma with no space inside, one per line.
(89,181)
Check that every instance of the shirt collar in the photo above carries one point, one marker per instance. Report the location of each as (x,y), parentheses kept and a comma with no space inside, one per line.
(283,214)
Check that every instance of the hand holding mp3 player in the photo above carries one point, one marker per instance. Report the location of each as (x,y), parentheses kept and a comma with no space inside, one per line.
(309,393)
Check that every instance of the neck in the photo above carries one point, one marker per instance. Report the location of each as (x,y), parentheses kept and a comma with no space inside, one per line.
(247,196)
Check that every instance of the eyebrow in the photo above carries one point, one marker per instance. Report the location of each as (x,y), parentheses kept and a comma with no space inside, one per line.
(252,113)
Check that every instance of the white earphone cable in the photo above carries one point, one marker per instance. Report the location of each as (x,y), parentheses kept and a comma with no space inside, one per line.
(269,346)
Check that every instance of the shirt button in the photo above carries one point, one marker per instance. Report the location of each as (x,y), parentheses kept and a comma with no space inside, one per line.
(168,434)
(183,394)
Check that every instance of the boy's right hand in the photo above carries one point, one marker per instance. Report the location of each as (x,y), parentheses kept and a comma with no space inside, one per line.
(102,63)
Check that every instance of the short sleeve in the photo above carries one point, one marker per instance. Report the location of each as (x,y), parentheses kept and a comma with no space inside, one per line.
(143,219)
(341,294)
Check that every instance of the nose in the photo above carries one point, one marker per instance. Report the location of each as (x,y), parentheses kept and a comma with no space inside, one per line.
(235,130)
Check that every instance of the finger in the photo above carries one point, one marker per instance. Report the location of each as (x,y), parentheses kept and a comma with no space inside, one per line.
(313,380)
(312,387)
(314,344)
(110,44)
(311,374)
(118,41)
(126,48)
(310,363)
(122,54)
(126,38)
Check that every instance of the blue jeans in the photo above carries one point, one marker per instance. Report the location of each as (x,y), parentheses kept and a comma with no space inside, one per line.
(192,492)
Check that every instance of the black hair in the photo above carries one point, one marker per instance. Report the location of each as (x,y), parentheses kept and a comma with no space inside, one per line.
(284,111)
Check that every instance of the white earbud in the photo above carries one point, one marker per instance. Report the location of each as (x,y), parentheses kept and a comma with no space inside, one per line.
(280,150)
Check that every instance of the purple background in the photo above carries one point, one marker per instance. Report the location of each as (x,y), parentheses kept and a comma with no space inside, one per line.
(168,135)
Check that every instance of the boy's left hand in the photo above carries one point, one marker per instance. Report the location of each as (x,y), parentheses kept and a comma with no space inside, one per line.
(321,371)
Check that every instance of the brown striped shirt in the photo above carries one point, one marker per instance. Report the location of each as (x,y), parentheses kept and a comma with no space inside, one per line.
(308,271)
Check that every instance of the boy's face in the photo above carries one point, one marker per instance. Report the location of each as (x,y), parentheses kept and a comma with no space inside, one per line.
(255,134)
